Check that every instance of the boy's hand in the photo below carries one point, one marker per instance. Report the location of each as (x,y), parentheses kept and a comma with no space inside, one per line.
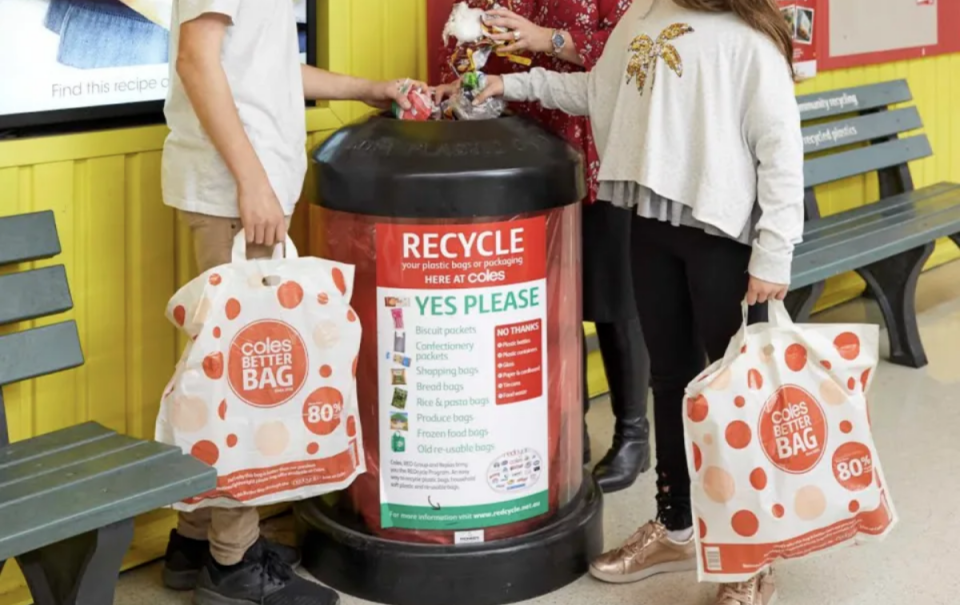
(494,88)
(382,94)
(261,214)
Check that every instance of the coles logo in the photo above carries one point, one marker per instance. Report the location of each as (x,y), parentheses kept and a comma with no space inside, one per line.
(793,430)
(267,364)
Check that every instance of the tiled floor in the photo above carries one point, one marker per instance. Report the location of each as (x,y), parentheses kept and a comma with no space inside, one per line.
(916,420)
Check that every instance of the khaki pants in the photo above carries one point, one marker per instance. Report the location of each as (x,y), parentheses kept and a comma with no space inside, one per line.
(231,531)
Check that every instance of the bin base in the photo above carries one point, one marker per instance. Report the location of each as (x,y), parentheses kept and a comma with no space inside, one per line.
(494,573)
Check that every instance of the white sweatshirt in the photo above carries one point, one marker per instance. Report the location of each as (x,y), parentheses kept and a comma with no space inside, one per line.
(699,108)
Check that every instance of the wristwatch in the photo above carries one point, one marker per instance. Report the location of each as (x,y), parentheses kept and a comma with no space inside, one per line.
(558,42)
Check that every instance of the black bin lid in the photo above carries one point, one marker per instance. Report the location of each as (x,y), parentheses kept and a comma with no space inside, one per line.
(447,169)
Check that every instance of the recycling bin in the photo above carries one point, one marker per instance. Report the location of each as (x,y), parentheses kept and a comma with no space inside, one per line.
(466,242)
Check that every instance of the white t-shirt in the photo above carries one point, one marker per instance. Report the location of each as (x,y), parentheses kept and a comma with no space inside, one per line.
(261,58)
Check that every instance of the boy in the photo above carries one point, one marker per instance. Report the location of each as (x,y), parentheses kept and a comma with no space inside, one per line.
(235,160)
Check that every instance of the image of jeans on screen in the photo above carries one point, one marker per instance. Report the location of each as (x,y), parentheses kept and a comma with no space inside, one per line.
(105,33)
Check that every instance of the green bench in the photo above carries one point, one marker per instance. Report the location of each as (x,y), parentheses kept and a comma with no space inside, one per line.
(68,499)
(886,242)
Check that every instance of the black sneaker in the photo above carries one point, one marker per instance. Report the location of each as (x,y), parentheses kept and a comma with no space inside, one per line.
(262,578)
(185,558)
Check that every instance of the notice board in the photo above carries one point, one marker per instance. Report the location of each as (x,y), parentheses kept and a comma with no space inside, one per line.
(865,32)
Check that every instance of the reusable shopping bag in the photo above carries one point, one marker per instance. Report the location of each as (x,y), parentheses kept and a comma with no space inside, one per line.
(266,390)
(779,447)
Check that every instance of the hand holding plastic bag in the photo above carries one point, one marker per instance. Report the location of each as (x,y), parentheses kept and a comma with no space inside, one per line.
(266,390)
(779,447)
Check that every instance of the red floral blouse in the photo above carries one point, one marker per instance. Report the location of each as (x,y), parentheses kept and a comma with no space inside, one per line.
(589,23)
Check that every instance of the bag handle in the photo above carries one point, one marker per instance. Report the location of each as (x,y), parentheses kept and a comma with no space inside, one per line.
(280,251)
(778,318)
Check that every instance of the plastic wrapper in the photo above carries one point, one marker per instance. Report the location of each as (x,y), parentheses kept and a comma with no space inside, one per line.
(422,107)
(474,47)
(461,107)
(781,456)
(265,392)
(353,238)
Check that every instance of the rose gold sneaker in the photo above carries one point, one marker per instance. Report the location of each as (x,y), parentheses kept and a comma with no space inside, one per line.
(646,553)
(761,590)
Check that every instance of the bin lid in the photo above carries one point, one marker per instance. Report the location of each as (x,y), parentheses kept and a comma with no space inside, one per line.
(447,169)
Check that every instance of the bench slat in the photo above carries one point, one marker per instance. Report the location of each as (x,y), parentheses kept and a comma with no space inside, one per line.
(814,229)
(38,352)
(859,161)
(32,294)
(26,237)
(119,493)
(867,223)
(851,100)
(831,135)
(92,460)
(52,443)
(882,237)
(54,461)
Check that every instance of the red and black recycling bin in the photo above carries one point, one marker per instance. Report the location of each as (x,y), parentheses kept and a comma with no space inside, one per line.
(466,240)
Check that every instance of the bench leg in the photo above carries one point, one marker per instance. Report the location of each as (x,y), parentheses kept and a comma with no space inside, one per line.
(894,285)
(82,570)
(800,302)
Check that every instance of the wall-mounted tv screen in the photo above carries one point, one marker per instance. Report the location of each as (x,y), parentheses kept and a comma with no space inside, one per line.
(68,61)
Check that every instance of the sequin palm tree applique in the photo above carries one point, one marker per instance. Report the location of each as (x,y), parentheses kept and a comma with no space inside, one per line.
(646,52)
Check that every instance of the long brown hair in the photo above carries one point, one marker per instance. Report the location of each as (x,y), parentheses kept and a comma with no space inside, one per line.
(762,15)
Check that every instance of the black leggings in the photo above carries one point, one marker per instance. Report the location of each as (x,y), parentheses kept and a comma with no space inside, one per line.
(688,286)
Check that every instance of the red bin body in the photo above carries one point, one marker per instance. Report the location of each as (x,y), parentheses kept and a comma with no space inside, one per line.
(483,217)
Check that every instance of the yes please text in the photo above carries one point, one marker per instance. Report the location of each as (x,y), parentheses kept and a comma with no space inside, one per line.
(498,301)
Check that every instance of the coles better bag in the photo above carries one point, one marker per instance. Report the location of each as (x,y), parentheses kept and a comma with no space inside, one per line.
(779,447)
(266,390)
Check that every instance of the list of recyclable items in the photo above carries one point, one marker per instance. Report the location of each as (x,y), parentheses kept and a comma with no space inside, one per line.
(461,316)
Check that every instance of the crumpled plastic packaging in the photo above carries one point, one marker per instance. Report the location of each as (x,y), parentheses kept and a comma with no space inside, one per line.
(461,105)
(422,107)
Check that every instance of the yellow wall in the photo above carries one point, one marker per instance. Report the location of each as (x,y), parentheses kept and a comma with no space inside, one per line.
(125,255)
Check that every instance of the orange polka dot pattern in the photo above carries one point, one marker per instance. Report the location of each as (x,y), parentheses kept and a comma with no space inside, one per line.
(791,454)
(257,394)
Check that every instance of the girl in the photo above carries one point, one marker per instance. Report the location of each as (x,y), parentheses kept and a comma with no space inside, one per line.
(693,109)
(569,36)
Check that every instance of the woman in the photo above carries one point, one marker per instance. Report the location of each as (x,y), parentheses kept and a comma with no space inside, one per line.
(693,109)
(569,36)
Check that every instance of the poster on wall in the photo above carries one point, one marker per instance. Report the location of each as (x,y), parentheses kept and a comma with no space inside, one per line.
(801,18)
(463,375)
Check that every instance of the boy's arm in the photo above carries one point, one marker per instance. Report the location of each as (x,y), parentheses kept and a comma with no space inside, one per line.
(322,85)
(205,82)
